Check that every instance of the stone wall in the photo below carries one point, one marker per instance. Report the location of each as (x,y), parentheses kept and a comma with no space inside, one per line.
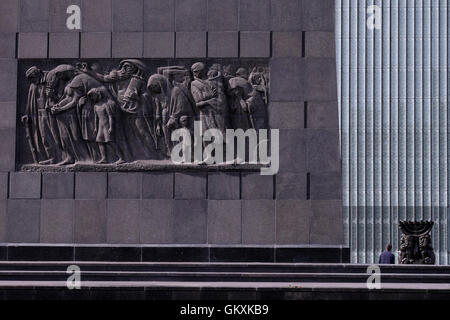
(300,206)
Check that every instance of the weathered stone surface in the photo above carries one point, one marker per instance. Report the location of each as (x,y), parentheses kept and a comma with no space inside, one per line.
(64,45)
(286,115)
(7,45)
(8,114)
(3,221)
(287,79)
(254,44)
(56,225)
(58,185)
(191,15)
(258,222)
(9,10)
(190,185)
(286,15)
(25,185)
(326,186)
(90,221)
(156,221)
(159,44)
(7,149)
(33,45)
(293,222)
(256,186)
(293,159)
(223,44)
(59,15)
(224,222)
(318,15)
(127,44)
(23,221)
(254,15)
(287,44)
(34,15)
(291,185)
(323,150)
(128,15)
(123,185)
(159,15)
(189,224)
(97,15)
(223,15)
(157,185)
(323,115)
(90,185)
(320,44)
(326,223)
(123,218)
(95,45)
(323,86)
(4,185)
(191,45)
(8,80)
(223,186)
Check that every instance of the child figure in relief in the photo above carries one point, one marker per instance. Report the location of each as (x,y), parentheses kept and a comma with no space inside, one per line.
(104,110)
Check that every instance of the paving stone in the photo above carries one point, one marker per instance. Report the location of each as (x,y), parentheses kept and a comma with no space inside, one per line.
(293,222)
(123,221)
(8,113)
(191,44)
(127,44)
(23,221)
(7,45)
(318,15)
(4,177)
(323,150)
(287,44)
(157,185)
(190,185)
(25,185)
(223,186)
(9,13)
(33,45)
(326,223)
(190,15)
(159,15)
(124,185)
(254,44)
(95,45)
(56,224)
(323,115)
(156,221)
(256,186)
(320,44)
(59,15)
(286,15)
(224,222)
(293,150)
(90,221)
(159,44)
(189,225)
(286,79)
(64,45)
(326,186)
(223,44)
(323,86)
(223,15)
(8,80)
(7,149)
(58,185)
(97,15)
(258,222)
(3,221)
(90,185)
(34,15)
(286,115)
(254,15)
(128,15)
(291,185)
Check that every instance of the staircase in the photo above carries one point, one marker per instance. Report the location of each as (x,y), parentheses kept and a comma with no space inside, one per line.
(222,281)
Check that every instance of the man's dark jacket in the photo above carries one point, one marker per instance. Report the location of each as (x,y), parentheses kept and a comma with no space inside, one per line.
(386,258)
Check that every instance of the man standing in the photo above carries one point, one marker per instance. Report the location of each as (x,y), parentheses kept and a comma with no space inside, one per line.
(387,257)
